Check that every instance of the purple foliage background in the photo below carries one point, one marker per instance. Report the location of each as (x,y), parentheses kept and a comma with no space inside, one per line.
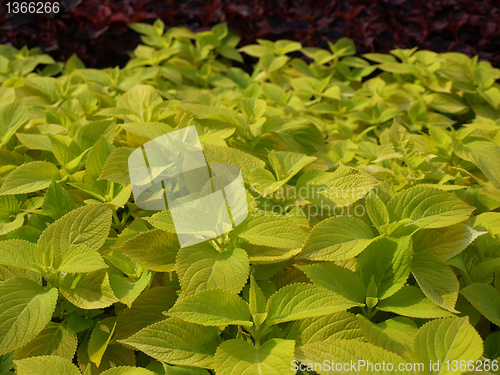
(96,30)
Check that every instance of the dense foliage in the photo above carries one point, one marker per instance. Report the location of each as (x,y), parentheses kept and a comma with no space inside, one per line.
(96,29)
(373,187)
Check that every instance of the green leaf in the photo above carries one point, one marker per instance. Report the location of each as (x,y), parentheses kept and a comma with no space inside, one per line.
(490,221)
(88,291)
(377,336)
(347,352)
(79,258)
(256,302)
(276,94)
(93,132)
(398,68)
(337,238)
(177,342)
(214,307)
(263,182)
(35,141)
(268,255)
(77,323)
(143,28)
(183,370)
(162,220)
(447,103)
(200,267)
(140,99)
(220,154)
(342,325)
(448,339)
(492,345)
(115,355)
(400,329)
(428,207)
(148,130)
(483,272)
(57,201)
(482,77)
(238,357)
(90,189)
(127,370)
(7,272)
(338,279)
(54,339)
(306,86)
(6,363)
(255,50)
(436,279)
(137,226)
(73,63)
(485,155)
(127,291)
(49,86)
(271,230)
(230,53)
(100,338)
(252,108)
(411,301)
(444,243)
(379,57)
(25,309)
(9,206)
(343,47)
(46,365)
(388,263)
(12,117)
(155,250)
(121,199)
(147,309)
(287,164)
(67,152)
(116,167)
(485,299)
(341,188)
(87,226)
(29,177)
(21,254)
(96,159)
(299,301)
(301,136)
(284,46)
(11,226)
(491,96)
(377,210)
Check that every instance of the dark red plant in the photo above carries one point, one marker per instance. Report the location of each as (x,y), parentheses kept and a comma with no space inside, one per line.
(96,29)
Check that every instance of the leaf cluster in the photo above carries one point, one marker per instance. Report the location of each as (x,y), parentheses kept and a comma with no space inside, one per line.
(373,191)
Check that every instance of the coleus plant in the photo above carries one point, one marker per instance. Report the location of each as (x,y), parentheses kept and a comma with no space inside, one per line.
(373,191)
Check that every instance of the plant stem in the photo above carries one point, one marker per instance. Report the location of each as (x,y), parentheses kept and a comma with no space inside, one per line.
(218,244)
(116,219)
